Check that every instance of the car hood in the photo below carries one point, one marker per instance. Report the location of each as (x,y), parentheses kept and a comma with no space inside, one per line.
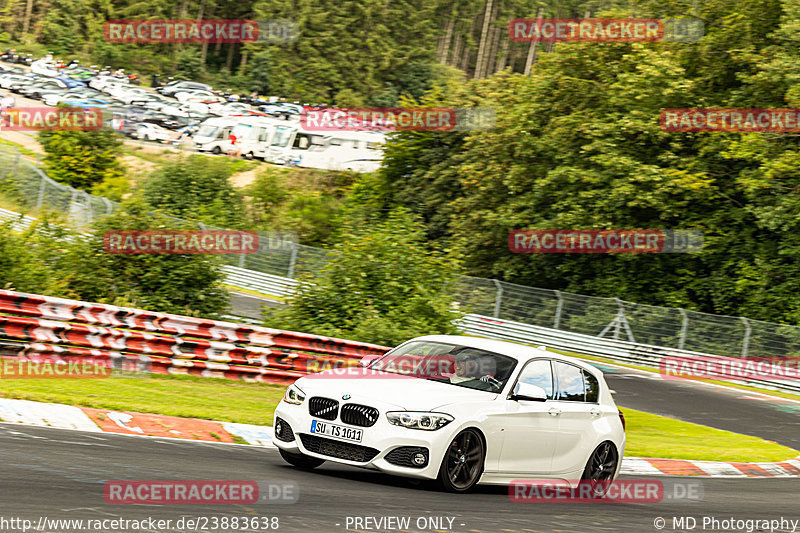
(388,390)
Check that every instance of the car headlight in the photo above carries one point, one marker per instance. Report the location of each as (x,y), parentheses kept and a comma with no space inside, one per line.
(294,395)
(419,419)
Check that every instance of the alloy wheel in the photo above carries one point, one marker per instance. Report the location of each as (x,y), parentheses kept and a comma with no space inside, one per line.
(600,470)
(463,462)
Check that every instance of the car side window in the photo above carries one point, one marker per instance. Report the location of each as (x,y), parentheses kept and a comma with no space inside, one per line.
(539,373)
(570,382)
(592,387)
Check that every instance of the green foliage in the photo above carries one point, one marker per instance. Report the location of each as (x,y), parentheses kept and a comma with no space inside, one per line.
(49,259)
(258,73)
(305,202)
(27,260)
(82,159)
(382,285)
(196,188)
(172,283)
(578,145)
(114,188)
(189,64)
(348,98)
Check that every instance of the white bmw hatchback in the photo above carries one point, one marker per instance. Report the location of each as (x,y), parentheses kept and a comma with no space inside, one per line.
(461,410)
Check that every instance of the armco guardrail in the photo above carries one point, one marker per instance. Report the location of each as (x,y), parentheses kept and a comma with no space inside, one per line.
(18,222)
(618,350)
(33,325)
(259,281)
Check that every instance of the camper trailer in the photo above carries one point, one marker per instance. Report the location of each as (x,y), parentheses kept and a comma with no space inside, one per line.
(253,135)
(329,150)
(212,135)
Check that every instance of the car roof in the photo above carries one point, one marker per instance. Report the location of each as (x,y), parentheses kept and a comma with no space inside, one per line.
(521,352)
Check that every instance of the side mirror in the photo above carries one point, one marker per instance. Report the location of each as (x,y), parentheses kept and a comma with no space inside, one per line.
(526,391)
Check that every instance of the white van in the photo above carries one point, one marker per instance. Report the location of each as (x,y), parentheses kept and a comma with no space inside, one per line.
(212,135)
(254,134)
(357,151)
(288,139)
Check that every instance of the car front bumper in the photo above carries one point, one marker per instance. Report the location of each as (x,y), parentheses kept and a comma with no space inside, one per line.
(380,439)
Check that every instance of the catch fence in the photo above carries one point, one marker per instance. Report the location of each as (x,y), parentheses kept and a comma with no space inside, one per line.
(274,270)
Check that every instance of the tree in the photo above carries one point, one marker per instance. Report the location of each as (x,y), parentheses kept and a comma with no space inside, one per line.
(381,285)
(188,64)
(258,72)
(82,159)
(170,283)
(197,188)
(28,259)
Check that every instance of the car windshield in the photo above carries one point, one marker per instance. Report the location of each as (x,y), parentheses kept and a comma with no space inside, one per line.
(207,131)
(281,137)
(462,366)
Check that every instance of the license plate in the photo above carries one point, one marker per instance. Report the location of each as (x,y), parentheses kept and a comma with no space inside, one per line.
(338,432)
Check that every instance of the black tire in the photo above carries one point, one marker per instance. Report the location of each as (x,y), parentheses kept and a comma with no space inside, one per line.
(600,469)
(299,460)
(216,150)
(463,461)
(249,156)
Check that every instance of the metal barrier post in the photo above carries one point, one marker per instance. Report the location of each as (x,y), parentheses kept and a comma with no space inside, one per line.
(746,339)
(40,200)
(684,329)
(292,261)
(559,307)
(498,298)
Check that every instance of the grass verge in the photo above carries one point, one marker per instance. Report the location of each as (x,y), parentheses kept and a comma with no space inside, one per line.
(652,435)
(649,435)
(185,396)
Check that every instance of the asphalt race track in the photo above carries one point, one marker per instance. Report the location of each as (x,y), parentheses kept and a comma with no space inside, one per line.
(735,410)
(61,474)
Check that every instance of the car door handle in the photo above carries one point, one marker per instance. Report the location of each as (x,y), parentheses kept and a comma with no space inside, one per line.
(594,411)
(554,411)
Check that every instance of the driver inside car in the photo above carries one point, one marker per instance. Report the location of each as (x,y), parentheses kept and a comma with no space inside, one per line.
(470,366)
(465,366)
